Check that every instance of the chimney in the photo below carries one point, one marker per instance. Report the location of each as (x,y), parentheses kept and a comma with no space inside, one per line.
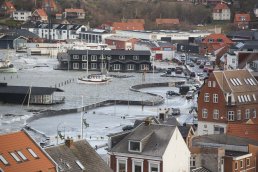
(69,142)
(147,121)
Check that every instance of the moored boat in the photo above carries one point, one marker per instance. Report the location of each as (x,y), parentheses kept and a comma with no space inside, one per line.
(6,66)
(94,79)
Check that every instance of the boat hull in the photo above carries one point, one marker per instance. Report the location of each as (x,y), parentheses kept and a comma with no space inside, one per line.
(87,81)
(8,70)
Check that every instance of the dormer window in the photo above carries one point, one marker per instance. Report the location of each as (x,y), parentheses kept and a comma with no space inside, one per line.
(134,146)
(121,57)
(135,57)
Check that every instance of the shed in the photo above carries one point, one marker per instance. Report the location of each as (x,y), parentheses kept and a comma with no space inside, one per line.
(11,41)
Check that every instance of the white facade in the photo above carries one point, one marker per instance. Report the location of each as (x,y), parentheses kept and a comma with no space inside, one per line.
(21,15)
(205,128)
(256,12)
(177,155)
(223,15)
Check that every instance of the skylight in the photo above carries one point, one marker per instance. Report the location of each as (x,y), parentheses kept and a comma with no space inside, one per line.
(251,79)
(21,155)
(3,160)
(250,82)
(239,99)
(254,97)
(245,98)
(246,81)
(248,97)
(32,153)
(232,81)
(80,164)
(235,81)
(239,81)
(15,157)
(242,98)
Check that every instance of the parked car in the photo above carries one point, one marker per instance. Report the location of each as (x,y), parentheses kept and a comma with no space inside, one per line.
(191,65)
(189,95)
(201,66)
(175,111)
(171,93)
(200,74)
(192,74)
(127,127)
(198,62)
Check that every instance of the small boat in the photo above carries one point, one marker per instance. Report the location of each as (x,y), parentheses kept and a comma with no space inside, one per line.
(6,66)
(94,79)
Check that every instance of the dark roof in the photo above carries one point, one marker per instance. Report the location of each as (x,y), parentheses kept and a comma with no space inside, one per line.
(249,34)
(234,153)
(223,139)
(170,121)
(26,90)
(109,52)
(21,32)
(81,150)
(200,169)
(250,45)
(10,37)
(184,130)
(156,138)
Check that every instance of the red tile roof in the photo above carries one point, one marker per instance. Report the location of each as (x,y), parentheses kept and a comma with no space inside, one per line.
(217,39)
(167,21)
(9,5)
(41,12)
(242,18)
(220,6)
(74,10)
(20,141)
(244,130)
(127,26)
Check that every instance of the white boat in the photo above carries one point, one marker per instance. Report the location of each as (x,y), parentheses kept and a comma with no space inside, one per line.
(94,79)
(6,66)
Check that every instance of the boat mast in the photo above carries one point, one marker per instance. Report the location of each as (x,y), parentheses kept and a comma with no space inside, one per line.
(87,62)
(29,97)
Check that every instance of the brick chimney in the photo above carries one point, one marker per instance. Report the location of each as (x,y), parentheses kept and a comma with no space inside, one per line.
(69,142)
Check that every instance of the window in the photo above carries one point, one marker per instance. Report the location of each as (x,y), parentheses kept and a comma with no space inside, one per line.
(209,83)
(130,67)
(84,58)
(214,83)
(192,161)
(230,115)
(218,129)
(238,114)
(75,56)
(247,161)
(121,57)
(93,65)
(206,97)
(116,67)
(241,164)
(204,113)
(93,57)
(254,113)
(215,114)
(135,146)
(84,65)
(137,165)
(102,57)
(210,40)
(15,157)
(153,166)
(236,165)
(22,156)
(75,65)
(144,67)
(121,165)
(33,153)
(80,164)
(3,160)
(215,98)
(247,114)
(135,57)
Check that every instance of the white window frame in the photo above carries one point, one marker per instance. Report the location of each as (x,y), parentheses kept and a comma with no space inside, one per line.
(84,66)
(32,153)
(135,57)
(241,164)
(144,67)
(214,83)
(93,66)
(215,98)
(75,57)
(84,57)
(3,160)
(193,159)
(206,97)
(129,146)
(75,65)
(94,58)
(134,161)
(209,83)
(231,116)
(248,160)
(239,115)
(130,67)
(236,165)
(204,113)
(15,157)
(24,158)
(153,164)
(254,113)
(247,114)
(116,67)
(121,57)
(215,114)
(121,159)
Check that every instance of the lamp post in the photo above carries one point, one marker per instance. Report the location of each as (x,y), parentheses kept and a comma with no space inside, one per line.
(84,122)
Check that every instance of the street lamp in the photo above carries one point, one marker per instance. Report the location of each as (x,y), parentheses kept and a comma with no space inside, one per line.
(84,123)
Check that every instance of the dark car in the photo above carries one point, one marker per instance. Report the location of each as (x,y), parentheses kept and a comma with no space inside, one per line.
(201,66)
(175,111)
(191,65)
(127,127)
(189,95)
(168,72)
(171,93)
(192,74)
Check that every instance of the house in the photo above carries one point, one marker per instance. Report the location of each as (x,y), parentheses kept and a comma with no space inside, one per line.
(221,12)
(256,10)
(74,13)
(225,153)
(94,35)
(242,20)
(39,15)
(150,147)
(50,4)
(224,99)
(19,152)
(214,42)
(77,156)
(121,42)
(59,16)
(23,94)
(136,21)
(112,60)
(127,26)
(7,8)
(9,41)
(20,15)
(243,35)
(247,59)
(166,22)
(56,31)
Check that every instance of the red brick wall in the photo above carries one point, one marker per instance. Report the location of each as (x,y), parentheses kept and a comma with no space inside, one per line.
(229,165)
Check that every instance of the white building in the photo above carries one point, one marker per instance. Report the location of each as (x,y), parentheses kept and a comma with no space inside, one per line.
(94,35)
(221,12)
(60,32)
(21,15)
(256,10)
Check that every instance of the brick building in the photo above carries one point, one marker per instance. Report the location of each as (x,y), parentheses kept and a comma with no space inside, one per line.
(227,97)
(127,26)
(242,20)
(121,42)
